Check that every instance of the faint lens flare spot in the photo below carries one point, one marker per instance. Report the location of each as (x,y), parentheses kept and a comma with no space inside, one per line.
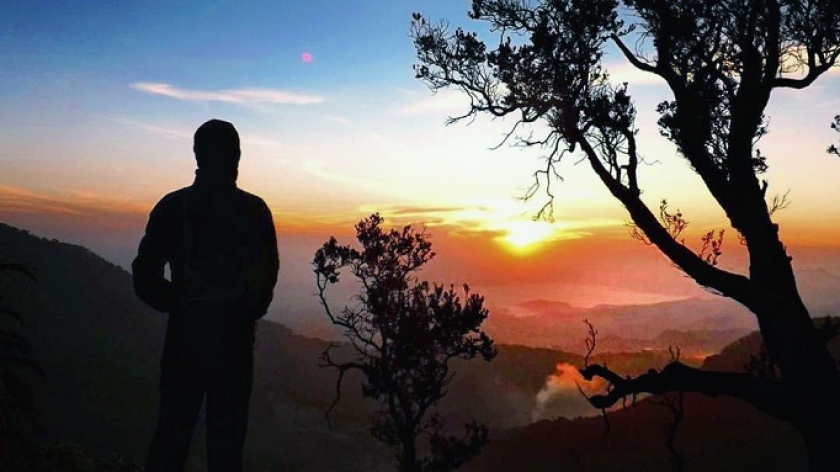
(306,57)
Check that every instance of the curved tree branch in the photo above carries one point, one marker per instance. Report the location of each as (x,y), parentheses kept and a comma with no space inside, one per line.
(766,395)
(342,368)
(726,283)
(814,72)
(634,60)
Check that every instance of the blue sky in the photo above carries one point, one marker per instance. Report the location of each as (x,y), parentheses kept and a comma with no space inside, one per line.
(79,78)
(214,44)
(101,100)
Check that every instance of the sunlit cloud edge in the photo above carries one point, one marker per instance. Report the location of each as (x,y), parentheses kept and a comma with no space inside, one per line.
(489,221)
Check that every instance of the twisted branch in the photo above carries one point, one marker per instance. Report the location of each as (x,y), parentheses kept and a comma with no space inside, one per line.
(766,395)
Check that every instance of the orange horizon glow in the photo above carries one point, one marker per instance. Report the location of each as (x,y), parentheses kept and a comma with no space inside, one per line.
(516,235)
(506,260)
(472,246)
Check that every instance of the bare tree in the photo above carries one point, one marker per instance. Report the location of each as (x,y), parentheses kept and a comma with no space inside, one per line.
(721,60)
(403,335)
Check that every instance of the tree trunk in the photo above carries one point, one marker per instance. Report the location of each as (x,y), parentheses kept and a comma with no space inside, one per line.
(795,344)
(409,454)
(790,336)
(807,367)
(822,438)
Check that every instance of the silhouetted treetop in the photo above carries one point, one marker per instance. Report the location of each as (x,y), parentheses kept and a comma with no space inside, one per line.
(721,59)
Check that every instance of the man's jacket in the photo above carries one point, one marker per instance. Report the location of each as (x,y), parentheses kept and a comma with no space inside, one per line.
(221,246)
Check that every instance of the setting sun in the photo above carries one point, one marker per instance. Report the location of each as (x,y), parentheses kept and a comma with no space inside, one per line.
(525,235)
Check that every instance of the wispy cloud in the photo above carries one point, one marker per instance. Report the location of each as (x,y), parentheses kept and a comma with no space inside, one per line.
(245,96)
(495,221)
(178,131)
(443,102)
(414,211)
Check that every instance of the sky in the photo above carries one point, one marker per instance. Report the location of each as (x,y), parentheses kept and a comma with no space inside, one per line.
(100,101)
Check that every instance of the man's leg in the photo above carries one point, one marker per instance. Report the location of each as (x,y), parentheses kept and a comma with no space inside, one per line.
(181,394)
(227,407)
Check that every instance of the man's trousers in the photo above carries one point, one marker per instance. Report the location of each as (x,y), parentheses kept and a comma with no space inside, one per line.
(208,355)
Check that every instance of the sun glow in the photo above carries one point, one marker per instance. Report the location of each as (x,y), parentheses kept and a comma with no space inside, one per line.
(527,235)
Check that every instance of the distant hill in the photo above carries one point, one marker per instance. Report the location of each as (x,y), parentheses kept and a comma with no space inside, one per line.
(818,288)
(696,342)
(697,326)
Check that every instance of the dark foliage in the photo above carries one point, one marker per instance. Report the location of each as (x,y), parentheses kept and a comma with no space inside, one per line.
(18,415)
(721,60)
(833,149)
(403,335)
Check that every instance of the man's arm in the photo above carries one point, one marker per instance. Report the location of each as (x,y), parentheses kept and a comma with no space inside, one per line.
(148,267)
(269,262)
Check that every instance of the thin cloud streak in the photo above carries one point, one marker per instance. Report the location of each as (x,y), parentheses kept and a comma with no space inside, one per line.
(493,222)
(185,134)
(439,103)
(245,96)
(109,211)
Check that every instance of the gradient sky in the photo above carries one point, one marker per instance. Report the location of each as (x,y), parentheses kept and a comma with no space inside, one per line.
(100,100)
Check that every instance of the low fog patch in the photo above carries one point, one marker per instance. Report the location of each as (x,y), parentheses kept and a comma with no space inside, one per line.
(561,396)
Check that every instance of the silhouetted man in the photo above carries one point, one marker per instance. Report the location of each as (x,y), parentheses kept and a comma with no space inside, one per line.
(221,247)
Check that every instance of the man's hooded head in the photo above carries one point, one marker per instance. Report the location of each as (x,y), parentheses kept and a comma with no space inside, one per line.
(216,147)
